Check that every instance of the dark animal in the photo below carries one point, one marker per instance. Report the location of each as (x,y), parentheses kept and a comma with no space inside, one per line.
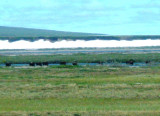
(101,63)
(76,115)
(8,64)
(31,64)
(147,61)
(74,63)
(39,64)
(63,63)
(45,63)
(131,62)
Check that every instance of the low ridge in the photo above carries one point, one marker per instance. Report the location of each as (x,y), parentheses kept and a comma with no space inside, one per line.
(29,32)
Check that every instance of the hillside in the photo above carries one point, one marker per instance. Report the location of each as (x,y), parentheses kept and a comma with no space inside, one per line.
(29,32)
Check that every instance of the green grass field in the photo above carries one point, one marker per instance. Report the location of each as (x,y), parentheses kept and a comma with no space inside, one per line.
(82,58)
(80,90)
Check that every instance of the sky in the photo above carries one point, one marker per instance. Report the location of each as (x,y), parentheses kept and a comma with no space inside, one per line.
(112,17)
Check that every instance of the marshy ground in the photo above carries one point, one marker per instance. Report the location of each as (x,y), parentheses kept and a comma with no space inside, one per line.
(80,90)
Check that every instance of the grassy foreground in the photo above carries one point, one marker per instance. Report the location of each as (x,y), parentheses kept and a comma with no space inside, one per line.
(76,91)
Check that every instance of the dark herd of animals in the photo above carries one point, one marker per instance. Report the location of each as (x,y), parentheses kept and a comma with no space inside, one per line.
(44,63)
(74,63)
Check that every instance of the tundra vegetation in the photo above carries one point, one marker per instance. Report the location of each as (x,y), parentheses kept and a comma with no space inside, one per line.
(83,58)
(80,91)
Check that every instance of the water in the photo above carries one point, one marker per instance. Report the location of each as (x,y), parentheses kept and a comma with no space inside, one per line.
(94,64)
(19,65)
(2,65)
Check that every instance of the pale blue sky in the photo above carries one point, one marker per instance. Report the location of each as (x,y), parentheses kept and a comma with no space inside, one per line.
(114,17)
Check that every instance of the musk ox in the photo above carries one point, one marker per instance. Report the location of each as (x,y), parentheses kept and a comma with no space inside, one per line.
(8,64)
(131,62)
(63,63)
(32,64)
